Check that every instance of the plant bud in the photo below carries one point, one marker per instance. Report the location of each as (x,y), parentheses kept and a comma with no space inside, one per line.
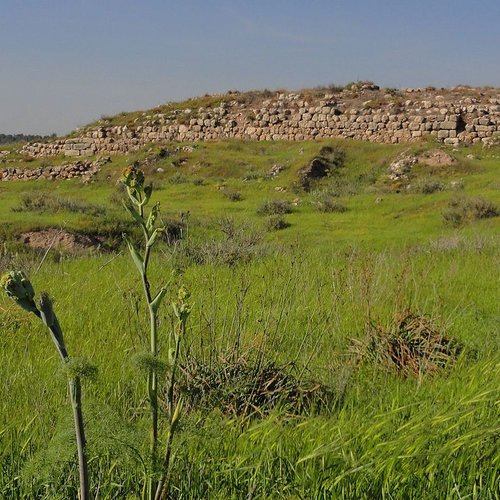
(18,287)
(133,178)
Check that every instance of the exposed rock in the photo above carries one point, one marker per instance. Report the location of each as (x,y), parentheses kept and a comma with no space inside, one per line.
(317,169)
(275,170)
(400,169)
(436,158)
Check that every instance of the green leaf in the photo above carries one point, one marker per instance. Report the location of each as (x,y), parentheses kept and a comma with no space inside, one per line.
(153,215)
(155,303)
(139,262)
(177,415)
(134,213)
(153,237)
(148,190)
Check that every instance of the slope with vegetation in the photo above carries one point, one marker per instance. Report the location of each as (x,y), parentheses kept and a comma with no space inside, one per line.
(343,337)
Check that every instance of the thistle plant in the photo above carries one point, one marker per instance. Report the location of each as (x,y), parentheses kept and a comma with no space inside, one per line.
(18,287)
(139,194)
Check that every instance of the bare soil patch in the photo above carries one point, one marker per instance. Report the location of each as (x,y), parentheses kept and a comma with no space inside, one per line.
(60,239)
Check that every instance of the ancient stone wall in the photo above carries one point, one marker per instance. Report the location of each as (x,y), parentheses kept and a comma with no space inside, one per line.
(83,169)
(453,116)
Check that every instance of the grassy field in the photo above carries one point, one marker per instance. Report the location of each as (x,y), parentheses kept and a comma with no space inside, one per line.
(307,305)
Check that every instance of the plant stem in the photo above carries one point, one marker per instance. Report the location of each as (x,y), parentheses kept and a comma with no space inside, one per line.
(75,390)
(152,376)
(163,484)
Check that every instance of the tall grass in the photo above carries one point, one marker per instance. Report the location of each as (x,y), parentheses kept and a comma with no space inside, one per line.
(382,436)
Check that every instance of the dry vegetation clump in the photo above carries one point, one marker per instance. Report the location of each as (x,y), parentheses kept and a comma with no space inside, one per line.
(242,387)
(241,244)
(411,346)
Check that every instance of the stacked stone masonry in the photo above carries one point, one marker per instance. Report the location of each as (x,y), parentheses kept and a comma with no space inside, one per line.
(453,116)
(81,169)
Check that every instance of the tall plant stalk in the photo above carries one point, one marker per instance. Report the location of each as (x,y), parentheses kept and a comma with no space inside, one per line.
(139,195)
(182,310)
(19,288)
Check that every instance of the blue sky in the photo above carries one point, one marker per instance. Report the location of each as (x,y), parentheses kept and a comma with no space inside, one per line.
(65,63)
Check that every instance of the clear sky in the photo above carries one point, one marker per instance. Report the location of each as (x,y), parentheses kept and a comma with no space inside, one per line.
(64,63)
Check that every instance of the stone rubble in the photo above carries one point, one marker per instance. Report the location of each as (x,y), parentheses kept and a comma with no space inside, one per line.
(82,169)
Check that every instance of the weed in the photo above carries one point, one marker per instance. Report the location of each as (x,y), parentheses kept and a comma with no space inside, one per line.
(251,175)
(245,386)
(241,244)
(199,181)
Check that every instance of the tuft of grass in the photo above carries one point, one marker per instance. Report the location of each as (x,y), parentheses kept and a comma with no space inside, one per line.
(178,178)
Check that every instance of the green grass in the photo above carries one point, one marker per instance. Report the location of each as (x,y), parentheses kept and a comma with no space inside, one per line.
(309,289)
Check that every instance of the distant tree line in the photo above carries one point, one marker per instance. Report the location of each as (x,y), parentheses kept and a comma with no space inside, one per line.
(11,138)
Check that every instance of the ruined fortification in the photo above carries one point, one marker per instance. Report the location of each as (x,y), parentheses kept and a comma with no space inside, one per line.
(364,112)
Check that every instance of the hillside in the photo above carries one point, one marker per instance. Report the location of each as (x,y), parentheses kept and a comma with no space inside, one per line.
(343,335)
(359,111)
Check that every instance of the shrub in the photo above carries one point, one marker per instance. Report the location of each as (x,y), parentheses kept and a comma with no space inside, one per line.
(462,210)
(251,175)
(328,204)
(232,195)
(178,178)
(276,223)
(427,186)
(275,207)
(199,181)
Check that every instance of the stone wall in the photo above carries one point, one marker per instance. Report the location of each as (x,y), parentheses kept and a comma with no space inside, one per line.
(453,116)
(83,169)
